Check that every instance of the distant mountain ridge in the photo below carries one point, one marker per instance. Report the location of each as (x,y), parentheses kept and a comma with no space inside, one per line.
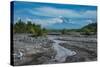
(91,27)
(69,23)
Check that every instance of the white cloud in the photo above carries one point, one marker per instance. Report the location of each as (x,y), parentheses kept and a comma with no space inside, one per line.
(56,12)
(46,22)
(90,14)
(89,21)
(28,19)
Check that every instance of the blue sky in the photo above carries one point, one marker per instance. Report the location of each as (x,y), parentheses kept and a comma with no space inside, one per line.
(55,16)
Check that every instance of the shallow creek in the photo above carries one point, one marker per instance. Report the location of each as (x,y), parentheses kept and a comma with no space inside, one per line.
(62,53)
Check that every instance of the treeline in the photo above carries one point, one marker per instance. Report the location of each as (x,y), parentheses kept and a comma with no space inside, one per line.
(90,27)
(37,30)
(29,27)
(87,30)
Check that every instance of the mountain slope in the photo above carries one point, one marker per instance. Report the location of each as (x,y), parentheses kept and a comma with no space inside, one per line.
(90,27)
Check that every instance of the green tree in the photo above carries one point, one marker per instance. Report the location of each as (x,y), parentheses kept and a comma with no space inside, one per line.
(63,31)
(29,27)
(22,27)
(87,31)
(19,27)
(90,29)
(38,30)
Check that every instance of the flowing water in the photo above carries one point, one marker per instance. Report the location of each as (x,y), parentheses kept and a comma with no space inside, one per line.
(62,53)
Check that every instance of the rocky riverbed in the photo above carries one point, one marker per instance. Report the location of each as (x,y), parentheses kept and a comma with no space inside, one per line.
(85,48)
(31,50)
(53,49)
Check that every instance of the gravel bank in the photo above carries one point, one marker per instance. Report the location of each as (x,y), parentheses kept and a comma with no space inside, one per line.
(85,48)
(30,50)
